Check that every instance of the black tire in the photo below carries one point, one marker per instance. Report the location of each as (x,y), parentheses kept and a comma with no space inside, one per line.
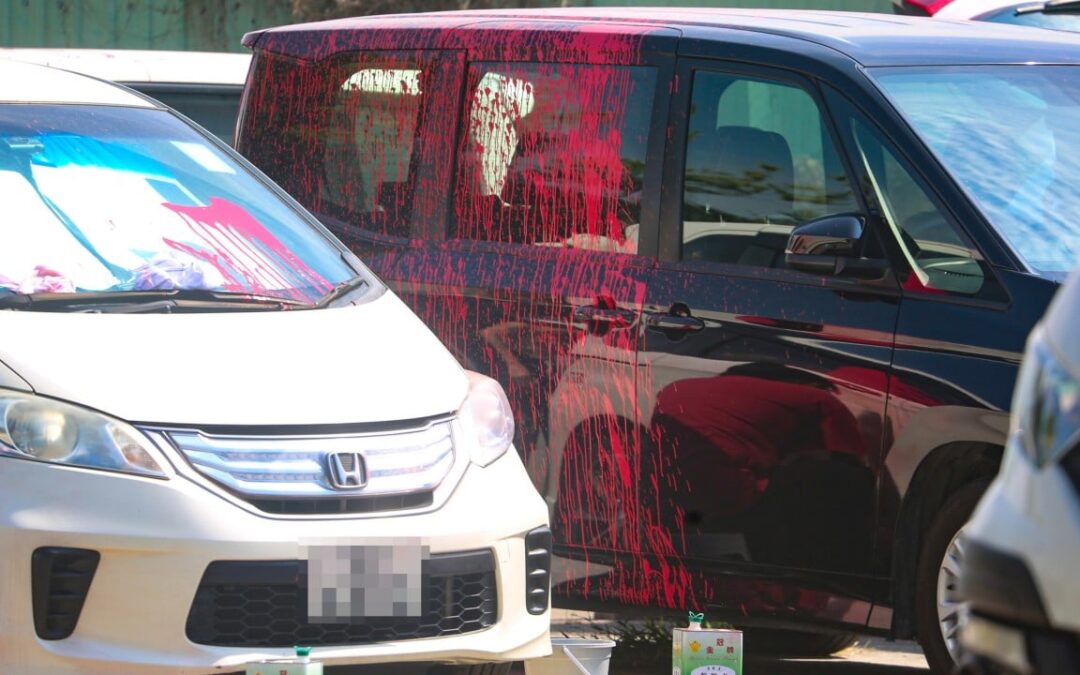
(476,669)
(935,540)
(793,643)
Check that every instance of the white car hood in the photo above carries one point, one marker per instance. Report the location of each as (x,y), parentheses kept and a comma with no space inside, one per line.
(373,362)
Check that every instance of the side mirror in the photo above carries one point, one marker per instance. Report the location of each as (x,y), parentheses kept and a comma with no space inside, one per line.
(829,246)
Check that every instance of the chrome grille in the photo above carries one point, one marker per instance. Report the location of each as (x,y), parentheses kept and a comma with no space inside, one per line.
(300,467)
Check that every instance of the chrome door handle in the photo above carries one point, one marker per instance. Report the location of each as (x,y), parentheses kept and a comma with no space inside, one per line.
(674,322)
(603,315)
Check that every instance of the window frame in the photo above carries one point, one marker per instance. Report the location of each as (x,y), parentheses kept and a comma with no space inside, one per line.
(670,244)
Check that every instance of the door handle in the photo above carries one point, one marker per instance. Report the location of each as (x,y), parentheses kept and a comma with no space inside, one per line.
(603,315)
(674,323)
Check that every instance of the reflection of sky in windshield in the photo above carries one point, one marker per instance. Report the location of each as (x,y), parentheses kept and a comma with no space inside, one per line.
(122,199)
(1011,136)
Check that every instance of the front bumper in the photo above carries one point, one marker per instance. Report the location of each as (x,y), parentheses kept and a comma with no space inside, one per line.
(1019,573)
(157,539)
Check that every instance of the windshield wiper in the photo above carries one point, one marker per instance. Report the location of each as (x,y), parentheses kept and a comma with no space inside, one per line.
(343,290)
(1049,7)
(146,301)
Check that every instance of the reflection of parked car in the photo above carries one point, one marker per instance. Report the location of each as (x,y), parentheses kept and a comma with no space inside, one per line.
(757,300)
(1021,550)
(189,481)
(204,86)
(1053,14)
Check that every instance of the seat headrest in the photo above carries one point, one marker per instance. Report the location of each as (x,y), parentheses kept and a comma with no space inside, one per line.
(740,174)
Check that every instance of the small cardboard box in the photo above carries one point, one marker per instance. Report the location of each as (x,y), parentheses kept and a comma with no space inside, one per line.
(706,651)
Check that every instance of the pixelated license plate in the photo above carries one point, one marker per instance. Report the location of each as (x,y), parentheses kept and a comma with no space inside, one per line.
(376,578)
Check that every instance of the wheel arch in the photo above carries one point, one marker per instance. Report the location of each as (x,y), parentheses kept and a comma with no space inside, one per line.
(943,471)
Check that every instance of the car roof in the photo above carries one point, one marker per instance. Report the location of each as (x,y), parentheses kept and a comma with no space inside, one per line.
(142,65)
(870,39)
(29,83)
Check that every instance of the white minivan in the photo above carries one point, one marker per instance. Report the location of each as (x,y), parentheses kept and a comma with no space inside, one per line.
(220,435)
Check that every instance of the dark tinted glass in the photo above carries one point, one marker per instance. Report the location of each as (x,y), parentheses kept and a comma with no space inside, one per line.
(759,161)
(215,111)
(554,155)
(339,135)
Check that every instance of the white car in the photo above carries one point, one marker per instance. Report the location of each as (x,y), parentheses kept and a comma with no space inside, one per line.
(1021,551)
(220,435)
(1052,14)
(204,86)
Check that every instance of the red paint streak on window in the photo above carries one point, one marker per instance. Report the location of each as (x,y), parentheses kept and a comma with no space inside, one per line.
(248,255)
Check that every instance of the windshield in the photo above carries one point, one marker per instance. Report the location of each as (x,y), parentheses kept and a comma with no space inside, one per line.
(125,199)
(1010,135)
(1064,19)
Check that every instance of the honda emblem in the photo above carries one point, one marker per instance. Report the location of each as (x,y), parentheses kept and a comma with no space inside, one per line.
(346,470)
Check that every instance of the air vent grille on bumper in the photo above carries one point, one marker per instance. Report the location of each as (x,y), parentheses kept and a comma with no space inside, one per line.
(60,579)
(537,570)
(262,604)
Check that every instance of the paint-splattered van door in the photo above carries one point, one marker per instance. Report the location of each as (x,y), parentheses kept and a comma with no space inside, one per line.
(765,385)
(541,277)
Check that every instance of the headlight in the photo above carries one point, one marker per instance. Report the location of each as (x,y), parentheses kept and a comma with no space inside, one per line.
(1047,404)
(486,419)
(32,427)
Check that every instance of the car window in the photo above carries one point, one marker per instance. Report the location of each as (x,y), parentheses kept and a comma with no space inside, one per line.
(554,155)
(940,256)
(214,109)
(109,198)
(759,161)
(1010,136)
(1063,19)
(341,135)
(368,144)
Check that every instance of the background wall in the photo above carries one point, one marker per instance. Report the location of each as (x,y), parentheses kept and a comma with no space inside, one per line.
(206,25)
(218,25)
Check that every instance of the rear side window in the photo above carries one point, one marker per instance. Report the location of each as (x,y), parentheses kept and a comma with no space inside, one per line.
(341,136)
(553,155)
(759,161)
(367,144)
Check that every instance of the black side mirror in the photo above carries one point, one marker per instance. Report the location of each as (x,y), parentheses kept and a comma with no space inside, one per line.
(829,246)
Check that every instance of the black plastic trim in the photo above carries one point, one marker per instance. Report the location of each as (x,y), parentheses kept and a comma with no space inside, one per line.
(60,578)
(1000,585)
(264,604)
(538,570)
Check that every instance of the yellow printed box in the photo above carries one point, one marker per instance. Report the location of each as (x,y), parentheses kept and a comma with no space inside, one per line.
(706,651)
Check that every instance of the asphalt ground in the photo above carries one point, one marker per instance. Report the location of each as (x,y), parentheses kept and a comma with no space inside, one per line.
(869,656)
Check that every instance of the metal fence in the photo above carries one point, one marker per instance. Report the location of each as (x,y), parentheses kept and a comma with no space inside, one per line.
(205,25)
